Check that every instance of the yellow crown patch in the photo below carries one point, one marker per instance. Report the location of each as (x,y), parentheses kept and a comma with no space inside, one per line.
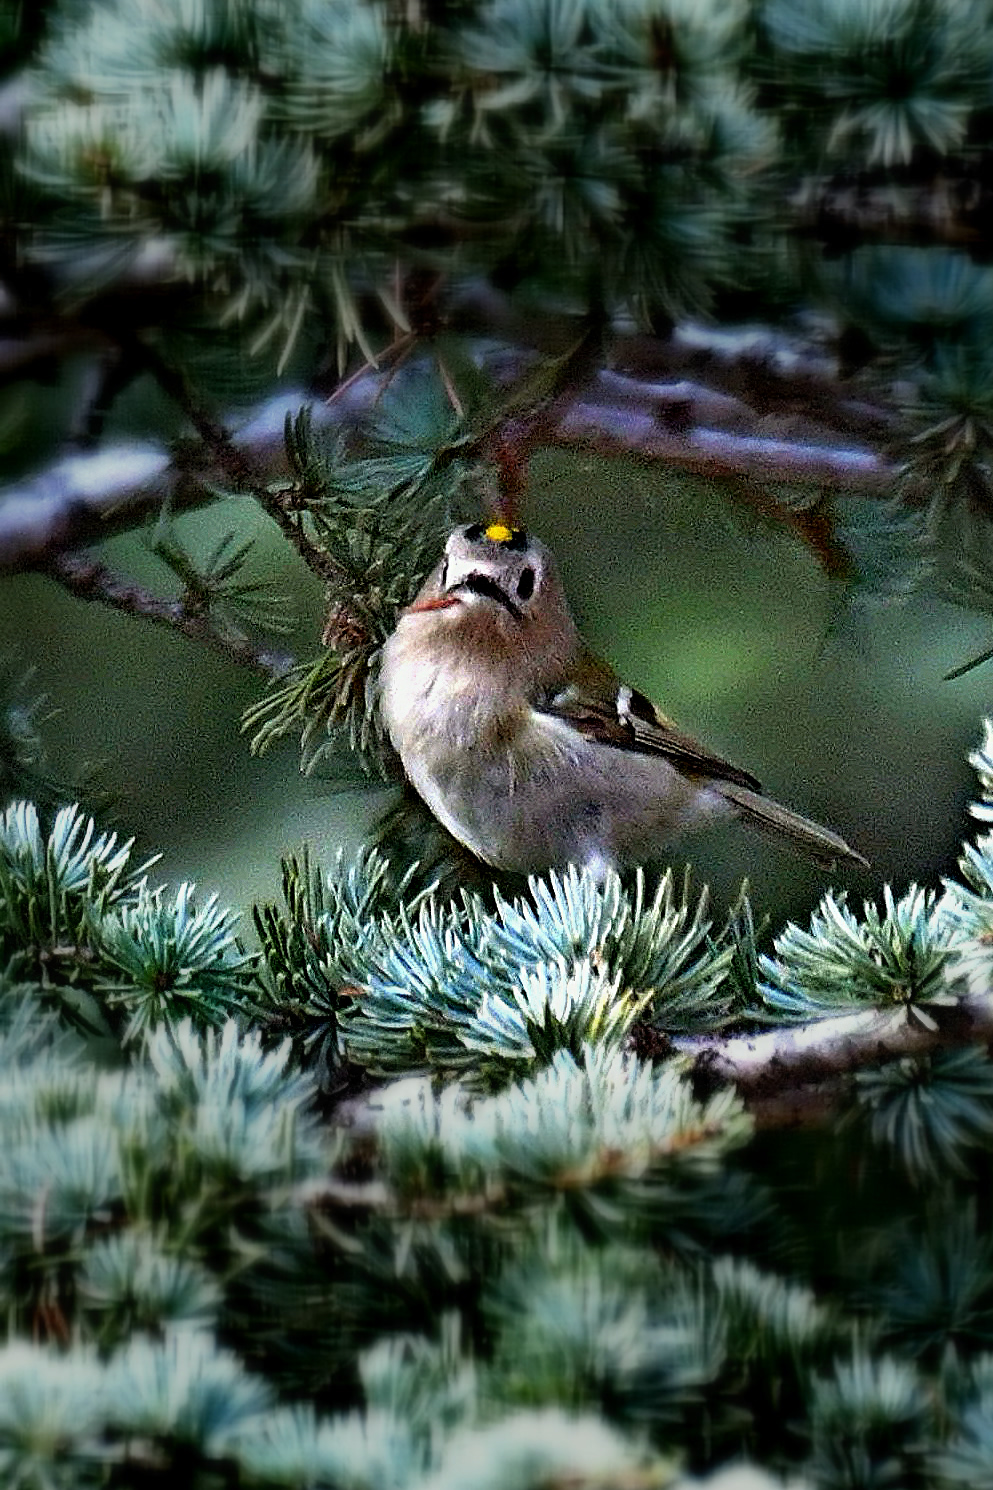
(499,532)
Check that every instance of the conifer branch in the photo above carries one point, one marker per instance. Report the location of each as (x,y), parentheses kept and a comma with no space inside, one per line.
(375,1197)
(239,464)
(541,1263)
(88,579)
(289,523)
(766,369)
(950,208)
(774,1063)
(792,1076)
(84,498)
(612,429)
(23,356)
(235,460)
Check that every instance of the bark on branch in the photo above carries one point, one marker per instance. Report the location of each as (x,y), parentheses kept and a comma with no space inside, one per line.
(87,579)
(793,1075)
(82,499)
(775,1062)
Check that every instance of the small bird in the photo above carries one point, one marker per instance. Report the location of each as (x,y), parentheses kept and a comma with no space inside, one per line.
(529,749)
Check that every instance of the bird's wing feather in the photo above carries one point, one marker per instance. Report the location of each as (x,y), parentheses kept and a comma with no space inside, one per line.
(603,709)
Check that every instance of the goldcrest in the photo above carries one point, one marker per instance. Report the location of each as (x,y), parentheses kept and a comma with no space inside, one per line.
(529,749)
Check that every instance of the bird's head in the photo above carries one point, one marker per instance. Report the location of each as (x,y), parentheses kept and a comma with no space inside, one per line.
(498,587)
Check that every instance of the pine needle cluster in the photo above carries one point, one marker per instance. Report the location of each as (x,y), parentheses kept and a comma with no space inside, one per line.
(372,523)
(541,1237)
(328,174)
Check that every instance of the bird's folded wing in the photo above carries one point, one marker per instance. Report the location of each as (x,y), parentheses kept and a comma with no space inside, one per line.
(602,709)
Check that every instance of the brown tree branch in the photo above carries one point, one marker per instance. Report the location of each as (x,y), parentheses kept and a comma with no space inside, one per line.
(88,579)
(82,499)
(613,428)
(572,400)
(775,1062)
(773,372)
(951,207)
(291,526)
(85,498)
(770,373)
(794,1075)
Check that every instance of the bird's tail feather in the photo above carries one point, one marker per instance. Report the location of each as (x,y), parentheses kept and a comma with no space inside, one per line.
(823,845)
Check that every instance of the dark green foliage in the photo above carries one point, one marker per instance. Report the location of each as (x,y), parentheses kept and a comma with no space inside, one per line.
(294,157)
(454,987)
(54,884)
(285,161)
(127,1196)
(870,1426)
(914,302)
(377,521)
(936,1297)
(885,81)
(534,1242)
(967,1458)
(160,955)
(899,957)
(298,953)
(333,175)
(220,588)
(968,904)
(24,770)
(338,175)
(530,1247)
(146,1212)
(79,917)
(311,170)
(932,1110)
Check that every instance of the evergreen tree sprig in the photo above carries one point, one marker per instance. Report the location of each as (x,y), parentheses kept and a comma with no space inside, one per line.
(451,986)
(375,523)
(899,956)
(522,1241)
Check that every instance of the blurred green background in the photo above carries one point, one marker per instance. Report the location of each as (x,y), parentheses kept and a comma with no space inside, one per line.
(724,620)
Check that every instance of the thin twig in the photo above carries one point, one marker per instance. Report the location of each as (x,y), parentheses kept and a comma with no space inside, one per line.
(242,467)
(88,579)
(86,497)
(237,462)
(291,526)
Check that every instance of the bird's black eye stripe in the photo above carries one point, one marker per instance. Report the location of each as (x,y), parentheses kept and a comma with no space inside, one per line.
(481,584)
(525,585)
(443,575)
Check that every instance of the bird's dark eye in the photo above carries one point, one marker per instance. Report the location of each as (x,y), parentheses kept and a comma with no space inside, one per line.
(443,575)
(525,585)
(474,531)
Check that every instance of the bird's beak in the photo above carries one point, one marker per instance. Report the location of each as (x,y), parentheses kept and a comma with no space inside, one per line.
(433,602)
(472,584)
